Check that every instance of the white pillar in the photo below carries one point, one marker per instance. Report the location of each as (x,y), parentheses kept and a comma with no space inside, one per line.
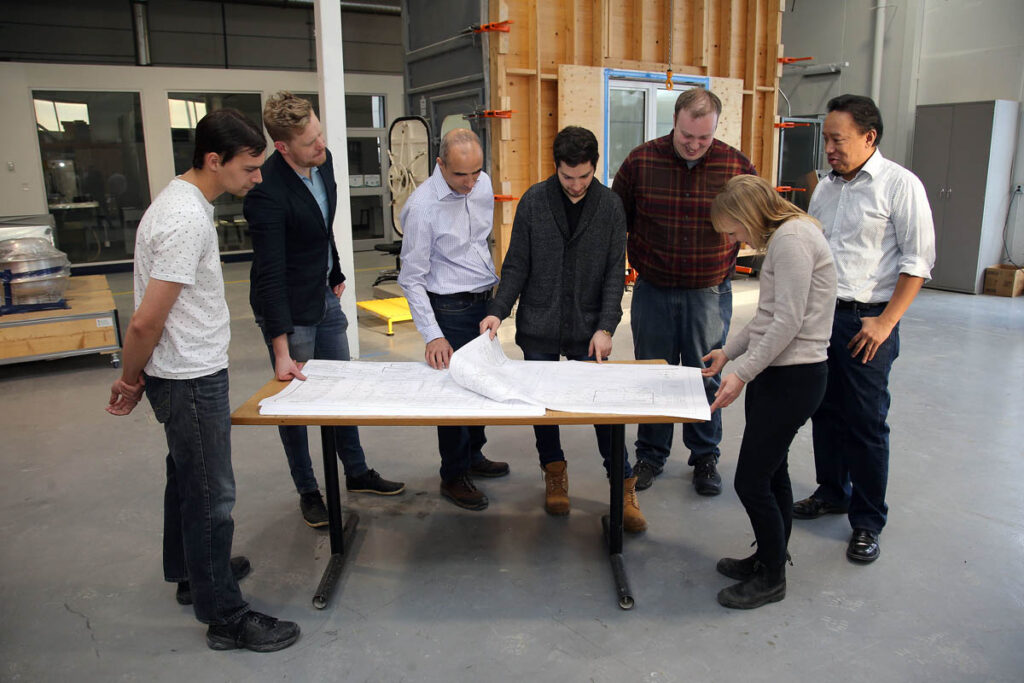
(330,66)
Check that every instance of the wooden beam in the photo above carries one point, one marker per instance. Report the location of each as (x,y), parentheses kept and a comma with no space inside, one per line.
(639,39)
(600,33)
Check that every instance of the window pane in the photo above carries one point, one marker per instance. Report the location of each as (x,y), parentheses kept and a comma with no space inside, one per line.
(367,217)
(364,111)
(626,112)
(186,108)
(94,168)
(666,104)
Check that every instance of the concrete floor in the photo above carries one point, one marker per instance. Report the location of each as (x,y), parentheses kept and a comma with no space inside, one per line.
(435,593)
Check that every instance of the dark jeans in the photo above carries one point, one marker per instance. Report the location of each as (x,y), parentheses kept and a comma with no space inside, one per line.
(549,445)
(778,402)
(680,326)
(851,436)
(325,340)
(200,491)
(459,316)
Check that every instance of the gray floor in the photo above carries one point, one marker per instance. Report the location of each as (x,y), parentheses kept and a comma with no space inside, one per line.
(434,593)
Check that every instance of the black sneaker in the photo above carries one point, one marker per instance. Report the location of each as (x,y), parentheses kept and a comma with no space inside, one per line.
(645,473)
(706,480)
(240,568)
(314,512)
(371,482)
(488,468)
(253,631)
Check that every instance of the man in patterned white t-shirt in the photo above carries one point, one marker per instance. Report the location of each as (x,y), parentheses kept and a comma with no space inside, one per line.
(176,350)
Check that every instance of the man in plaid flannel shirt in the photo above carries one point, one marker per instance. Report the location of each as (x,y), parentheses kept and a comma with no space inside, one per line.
(682,300)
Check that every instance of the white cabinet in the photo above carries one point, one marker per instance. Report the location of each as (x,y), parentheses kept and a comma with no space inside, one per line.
(963,153)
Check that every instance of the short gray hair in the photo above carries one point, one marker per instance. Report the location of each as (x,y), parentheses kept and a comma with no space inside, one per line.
(456,138)
(698,102)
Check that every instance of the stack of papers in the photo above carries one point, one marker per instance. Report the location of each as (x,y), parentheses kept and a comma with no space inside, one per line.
(482,381)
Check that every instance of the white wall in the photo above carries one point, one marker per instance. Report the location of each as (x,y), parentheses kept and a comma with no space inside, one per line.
(935,51)
(974,50)
(22,190)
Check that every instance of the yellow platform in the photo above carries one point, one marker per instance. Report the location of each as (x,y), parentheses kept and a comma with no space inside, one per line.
(394,310)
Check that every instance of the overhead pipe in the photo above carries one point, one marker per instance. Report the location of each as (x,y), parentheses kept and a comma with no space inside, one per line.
(140,29)
(876,60)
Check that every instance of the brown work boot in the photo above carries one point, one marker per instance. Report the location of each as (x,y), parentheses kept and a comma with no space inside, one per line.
(632,519)
(556,488)
(462,492)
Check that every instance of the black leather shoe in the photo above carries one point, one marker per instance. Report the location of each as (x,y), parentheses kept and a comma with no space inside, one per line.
(741,570)
(314,512)
(488,468)
(371,482)
(240,568)
(645,473)
(706,479)
(254,631)
(812,508)
(863,546)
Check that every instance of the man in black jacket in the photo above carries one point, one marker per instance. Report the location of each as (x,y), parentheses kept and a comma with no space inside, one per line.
(296,281)
(566,265)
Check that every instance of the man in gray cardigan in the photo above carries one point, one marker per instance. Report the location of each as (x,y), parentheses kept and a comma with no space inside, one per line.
(566,265)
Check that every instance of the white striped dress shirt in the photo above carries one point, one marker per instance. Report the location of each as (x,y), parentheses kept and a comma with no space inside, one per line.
(878,225)
(444,246)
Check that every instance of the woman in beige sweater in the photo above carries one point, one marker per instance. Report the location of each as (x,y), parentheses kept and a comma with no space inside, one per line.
(781,355)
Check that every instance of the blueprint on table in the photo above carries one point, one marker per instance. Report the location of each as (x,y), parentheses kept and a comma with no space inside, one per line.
(483,381)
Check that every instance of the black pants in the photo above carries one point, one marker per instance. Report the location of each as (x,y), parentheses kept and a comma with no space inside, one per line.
(778,402)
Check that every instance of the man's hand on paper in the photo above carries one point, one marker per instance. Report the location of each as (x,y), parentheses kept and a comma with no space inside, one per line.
(285,368)
(490,324)
(600,346)
(438,353)
(718,360)
(728,392)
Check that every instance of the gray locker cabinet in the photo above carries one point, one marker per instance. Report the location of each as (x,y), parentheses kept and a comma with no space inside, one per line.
(963,154)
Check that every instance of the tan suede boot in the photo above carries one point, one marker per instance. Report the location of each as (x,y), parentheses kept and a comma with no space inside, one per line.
(556,488)
(632,519)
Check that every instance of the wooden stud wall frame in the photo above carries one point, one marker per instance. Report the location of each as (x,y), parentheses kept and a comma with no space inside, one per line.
(733,43)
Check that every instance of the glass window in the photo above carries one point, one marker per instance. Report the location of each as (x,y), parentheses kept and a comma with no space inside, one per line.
(627,110)
(94,168)
(364,111)
(186,108)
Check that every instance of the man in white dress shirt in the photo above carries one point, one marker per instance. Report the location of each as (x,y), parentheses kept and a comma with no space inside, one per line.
(447,276)
(879,226)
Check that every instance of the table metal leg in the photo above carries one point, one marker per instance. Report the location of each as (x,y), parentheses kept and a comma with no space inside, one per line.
(341,532)
(612,522)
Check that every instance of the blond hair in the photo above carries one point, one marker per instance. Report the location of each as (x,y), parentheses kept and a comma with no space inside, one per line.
(286,115)
(698,103)
(752,202)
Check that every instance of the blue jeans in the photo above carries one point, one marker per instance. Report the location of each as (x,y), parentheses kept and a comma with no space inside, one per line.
(549,445)
(851,436)
(680,326)
(200,492)
(459,316)
(325,341)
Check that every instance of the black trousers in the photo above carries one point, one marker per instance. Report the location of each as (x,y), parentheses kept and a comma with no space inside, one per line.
(778,402)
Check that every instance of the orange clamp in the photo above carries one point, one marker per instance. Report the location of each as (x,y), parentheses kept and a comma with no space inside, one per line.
(790,60)
(505,198)
(502,26)
(790,188)
(490,114)
(790,124)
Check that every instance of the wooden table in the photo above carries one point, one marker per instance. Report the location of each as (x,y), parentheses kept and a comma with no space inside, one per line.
(249,414)
(89,325)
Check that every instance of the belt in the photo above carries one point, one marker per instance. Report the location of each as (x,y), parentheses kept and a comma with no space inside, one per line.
(843,304)
(472,297)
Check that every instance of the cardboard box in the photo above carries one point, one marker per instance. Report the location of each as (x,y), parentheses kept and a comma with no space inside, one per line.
(1004,280)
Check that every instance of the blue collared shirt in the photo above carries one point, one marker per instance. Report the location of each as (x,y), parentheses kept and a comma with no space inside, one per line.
(444,246)
(315,184)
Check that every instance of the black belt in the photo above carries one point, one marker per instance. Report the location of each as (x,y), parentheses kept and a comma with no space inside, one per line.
(843,304)
(469,297)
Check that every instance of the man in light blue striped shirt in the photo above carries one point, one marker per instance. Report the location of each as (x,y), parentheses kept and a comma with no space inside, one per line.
(447,275)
